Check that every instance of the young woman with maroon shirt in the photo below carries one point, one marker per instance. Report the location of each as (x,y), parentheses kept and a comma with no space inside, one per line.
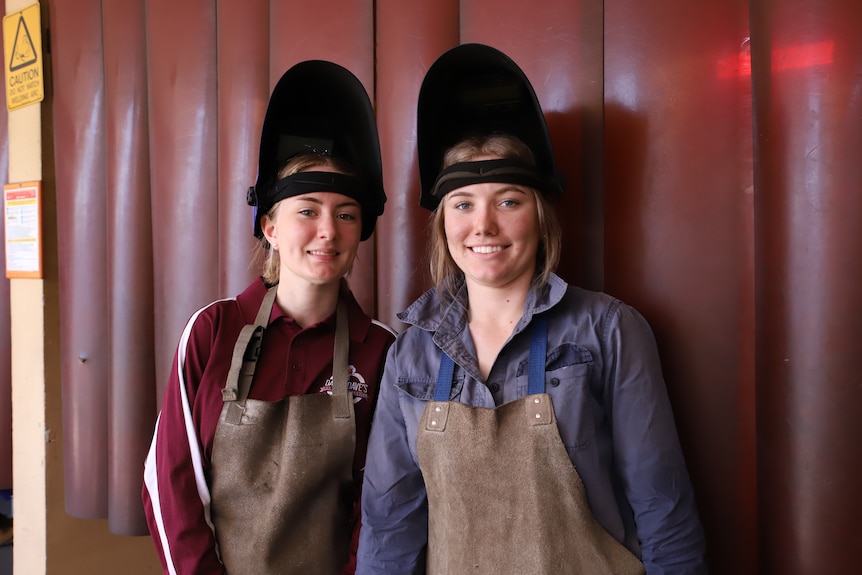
(257,457)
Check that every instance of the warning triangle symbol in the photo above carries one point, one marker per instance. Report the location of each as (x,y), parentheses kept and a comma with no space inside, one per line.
(23,51)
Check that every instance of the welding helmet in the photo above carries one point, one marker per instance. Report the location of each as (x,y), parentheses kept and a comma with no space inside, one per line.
(474,89)
(319,107)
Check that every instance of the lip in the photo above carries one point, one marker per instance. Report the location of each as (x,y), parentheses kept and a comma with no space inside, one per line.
(322,253)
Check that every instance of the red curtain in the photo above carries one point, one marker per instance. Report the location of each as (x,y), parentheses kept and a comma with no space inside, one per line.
(709,150)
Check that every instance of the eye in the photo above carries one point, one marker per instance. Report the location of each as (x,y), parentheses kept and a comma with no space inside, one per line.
(348,216)
(509,202)
(461,205)
(307,212)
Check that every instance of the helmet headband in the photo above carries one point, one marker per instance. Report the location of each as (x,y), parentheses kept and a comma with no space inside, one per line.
(503,171)
(307,182)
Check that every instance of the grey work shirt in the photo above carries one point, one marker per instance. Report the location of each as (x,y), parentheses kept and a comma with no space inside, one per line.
(604,376)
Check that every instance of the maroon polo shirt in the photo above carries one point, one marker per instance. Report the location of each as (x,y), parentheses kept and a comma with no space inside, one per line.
(292,361)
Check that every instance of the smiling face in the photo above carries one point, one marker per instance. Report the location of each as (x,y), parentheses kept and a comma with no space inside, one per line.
(316,235)
(492,233)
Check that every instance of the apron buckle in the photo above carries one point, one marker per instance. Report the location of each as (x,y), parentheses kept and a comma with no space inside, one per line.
(540,410)
(437,416)
(233,413)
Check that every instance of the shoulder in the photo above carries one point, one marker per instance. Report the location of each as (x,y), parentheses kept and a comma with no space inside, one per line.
(223,318)
(380,336)
(596,301)
(612,320)
(240,309)
(365,330)
(213,315)
(248,302)
(425,312)
(414,340)
(601,310)
(611,308)
(386,330)
(566,299)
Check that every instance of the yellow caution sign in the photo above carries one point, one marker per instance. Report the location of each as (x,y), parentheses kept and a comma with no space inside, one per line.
(22,43)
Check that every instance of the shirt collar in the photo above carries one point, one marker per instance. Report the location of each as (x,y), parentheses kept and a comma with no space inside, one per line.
(430,313)
(359,321)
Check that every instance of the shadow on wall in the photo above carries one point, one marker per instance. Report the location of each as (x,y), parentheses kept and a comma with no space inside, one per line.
(624,171)
(567,137)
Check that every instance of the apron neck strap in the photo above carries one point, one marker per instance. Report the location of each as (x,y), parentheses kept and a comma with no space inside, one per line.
(247,349)
(536,373)
(265,309)
(244,359)
(538,353)
(342,400)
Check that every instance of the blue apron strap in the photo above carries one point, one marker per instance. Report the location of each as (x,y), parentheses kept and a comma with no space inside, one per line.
(536,373)
(538,352)
(444,378)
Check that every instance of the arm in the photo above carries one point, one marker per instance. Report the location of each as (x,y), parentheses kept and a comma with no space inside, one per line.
(175,493)
(648,455)
(394,509)
(379,342)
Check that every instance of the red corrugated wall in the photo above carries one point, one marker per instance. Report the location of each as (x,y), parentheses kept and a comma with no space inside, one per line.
(710,153)
(129,254)
(679,245)
(82,242)
(807,69)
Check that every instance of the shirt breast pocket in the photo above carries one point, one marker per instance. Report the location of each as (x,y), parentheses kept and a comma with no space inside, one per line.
(567,381)
(414,393)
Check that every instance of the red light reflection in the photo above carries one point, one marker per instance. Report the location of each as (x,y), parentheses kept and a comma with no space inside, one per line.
(790,58)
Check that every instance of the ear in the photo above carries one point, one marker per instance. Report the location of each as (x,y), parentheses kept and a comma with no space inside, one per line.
(267,226)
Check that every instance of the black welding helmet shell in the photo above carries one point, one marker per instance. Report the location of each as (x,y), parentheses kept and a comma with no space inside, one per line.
(474,89)
(320,107)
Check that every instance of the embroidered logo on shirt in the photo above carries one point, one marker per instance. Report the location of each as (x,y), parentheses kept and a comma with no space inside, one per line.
(355,383)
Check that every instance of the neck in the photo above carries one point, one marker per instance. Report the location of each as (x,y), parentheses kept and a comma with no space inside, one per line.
(497,306)
(307,304)
(494,312)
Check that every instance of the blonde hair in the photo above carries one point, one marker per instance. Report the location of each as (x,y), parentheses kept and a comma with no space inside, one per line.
(445,273)
(266,258)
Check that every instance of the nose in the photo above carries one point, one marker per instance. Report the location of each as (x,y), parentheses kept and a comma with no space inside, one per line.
(485,222)
(327,227)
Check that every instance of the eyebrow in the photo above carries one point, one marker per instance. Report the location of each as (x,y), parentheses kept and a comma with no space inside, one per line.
(508,188)
(309,198)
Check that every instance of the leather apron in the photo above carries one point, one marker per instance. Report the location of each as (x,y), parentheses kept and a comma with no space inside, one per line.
(503,495)
(282,472)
